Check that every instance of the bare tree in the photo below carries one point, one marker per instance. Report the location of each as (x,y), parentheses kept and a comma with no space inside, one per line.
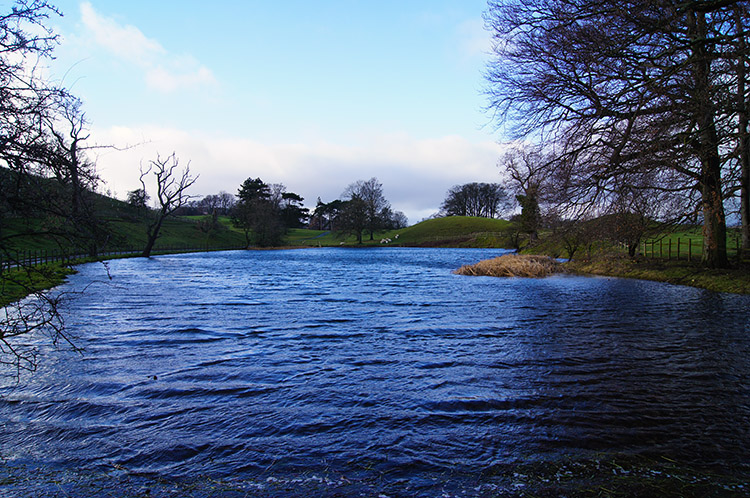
(368,194)
(740,14)
(33,189)
(171,193)
(226,202)
(399,220)
(485,200)
(353,219)
(38,313)
(620,89)
(67,158)
(528,176)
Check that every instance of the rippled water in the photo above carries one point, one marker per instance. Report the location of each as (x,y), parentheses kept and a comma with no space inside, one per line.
(378,361)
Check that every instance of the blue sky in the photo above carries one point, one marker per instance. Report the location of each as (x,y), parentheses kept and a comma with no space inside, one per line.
(314,95)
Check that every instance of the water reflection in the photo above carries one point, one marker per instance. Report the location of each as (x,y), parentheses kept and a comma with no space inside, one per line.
(380,360)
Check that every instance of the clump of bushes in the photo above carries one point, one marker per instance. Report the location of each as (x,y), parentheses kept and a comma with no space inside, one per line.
(513,265)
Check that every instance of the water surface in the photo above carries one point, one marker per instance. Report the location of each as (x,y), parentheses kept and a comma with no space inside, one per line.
(379,362)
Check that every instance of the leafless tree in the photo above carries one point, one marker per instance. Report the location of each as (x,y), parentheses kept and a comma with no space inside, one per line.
(740,15)
(619,89)
(367,195)
(171,193)
(528,171)
(485,200)
(353,218)
(36,174)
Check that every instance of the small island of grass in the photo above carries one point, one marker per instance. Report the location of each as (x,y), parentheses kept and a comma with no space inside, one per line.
(513,265)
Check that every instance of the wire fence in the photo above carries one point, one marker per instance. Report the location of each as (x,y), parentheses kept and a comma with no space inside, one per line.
(38,257)
(688,248)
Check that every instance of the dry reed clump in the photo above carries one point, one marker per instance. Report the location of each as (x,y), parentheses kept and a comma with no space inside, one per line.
(513,265)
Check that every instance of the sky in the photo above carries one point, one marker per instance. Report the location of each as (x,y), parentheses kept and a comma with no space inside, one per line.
(314,95)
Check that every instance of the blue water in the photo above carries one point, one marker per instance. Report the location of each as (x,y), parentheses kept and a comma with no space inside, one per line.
(377,362)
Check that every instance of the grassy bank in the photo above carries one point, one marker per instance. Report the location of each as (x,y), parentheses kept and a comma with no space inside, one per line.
(735,279)
(126,234)
(17,284)
(454,231)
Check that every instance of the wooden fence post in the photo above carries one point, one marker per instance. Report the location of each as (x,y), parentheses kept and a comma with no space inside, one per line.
(737,247)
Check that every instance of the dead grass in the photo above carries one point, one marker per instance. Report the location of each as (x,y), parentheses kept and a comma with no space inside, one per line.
(513,265)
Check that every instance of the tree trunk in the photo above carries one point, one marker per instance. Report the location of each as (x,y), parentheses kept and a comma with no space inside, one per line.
(707,149)
(153,234)
(743,131)
(714,226)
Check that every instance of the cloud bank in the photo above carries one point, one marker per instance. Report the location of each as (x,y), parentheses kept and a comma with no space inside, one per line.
(163,71)
(415,173)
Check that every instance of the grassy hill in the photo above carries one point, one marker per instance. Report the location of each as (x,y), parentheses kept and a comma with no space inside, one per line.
(130,234)
(453,231)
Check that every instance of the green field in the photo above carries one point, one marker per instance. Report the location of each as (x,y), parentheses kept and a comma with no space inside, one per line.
(176,233)
(454,231)
(685,243)
(185,233)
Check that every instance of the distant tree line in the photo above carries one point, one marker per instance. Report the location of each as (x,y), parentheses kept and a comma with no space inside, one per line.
(265,212)
(486,200)
(362,211)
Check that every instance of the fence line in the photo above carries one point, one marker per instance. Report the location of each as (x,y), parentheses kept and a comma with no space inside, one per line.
(38,257)
(657,248)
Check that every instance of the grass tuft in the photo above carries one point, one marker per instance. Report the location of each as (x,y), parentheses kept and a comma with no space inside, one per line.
(513,265)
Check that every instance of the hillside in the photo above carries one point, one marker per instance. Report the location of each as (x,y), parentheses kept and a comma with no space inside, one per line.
(453,231)
(125,232)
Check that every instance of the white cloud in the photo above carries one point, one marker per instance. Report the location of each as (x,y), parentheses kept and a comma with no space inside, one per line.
(415,173)
(167,81)
(474,39)
(163,70)
(126,42)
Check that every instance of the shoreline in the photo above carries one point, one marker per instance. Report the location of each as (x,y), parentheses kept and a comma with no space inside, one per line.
(735,280)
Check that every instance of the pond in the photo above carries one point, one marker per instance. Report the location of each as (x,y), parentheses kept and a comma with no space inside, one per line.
(377,369)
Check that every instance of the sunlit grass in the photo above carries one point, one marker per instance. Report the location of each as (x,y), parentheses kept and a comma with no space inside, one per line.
(686,243)
(453,229)
(18,283)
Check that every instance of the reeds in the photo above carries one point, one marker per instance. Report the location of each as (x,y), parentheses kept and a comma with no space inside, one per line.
(513,265)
